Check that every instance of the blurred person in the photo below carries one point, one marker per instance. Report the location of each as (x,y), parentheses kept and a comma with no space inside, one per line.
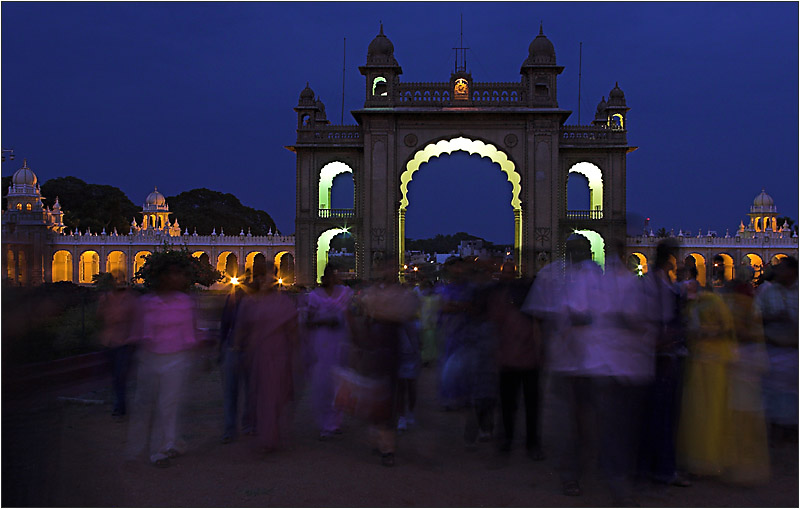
(705,411)
(117,309)
(235,372)
(622,365)
(326,309)
(561,296)
(778,302)
(748,454)
(664,308)
(410,364)
(266,331)
(379,313)
(429,322)
(166,334)
(519,359)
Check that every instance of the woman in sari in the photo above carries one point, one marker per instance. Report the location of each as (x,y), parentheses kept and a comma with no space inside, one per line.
(267,332)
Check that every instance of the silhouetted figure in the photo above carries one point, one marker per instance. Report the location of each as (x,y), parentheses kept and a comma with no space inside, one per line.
(266,331)
(117,310)
(235,372)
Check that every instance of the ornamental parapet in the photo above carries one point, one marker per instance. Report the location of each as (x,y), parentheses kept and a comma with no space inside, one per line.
(592,135)
(188,240)
(732,242)
(481,94)
(333,134)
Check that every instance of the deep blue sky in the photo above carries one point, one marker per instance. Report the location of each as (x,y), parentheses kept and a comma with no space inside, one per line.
(187,95)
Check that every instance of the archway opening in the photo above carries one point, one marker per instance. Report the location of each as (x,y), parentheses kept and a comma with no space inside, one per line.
(775,260)
(754,261)
(62,266)
(722,270)
(138,262)
(594,177)
(284,268)
(324,247)
(597,245)
(327,175)
(11,265)
(637,263)
(88,267)
(697,261)
(471,147)
(255,264)
(228,264)
(115,265)
(578,193)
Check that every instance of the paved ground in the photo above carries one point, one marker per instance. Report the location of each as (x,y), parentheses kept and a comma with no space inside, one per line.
(69,453)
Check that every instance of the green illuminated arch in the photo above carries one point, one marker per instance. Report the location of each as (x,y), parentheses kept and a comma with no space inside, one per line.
(326,176)
(379,79)
(595,177)
(597,245)
(323,246)
(472,147)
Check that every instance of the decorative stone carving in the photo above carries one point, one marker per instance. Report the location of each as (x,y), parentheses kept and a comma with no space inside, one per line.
(379,237)
(410,140)
(510,140)
(542,234)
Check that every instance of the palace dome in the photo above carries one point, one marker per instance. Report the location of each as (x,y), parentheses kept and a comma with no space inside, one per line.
(541,51)
(307,95)
(24,176)
(155,198)
(616,97)
(381,50)
(763,200)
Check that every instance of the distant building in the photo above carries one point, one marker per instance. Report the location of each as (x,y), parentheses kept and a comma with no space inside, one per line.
(37,250)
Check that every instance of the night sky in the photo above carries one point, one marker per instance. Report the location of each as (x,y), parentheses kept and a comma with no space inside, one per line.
(188,95)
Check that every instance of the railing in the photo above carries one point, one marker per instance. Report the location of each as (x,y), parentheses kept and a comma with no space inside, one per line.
(589,135)
(330,134)
(585,214)
(699,242)
(140,238)
(480,94)
(327,213)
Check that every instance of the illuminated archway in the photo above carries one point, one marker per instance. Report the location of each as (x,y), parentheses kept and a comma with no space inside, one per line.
(595,177)
(284,267)
(756,262)
(323,246)
(449,146)
(637,263)
(255,263)
(723,269)
(699,262)
(11,266)
(775,260)
(89,266)
(597,245)
(326,176)
(62,266)
(115,265)
(228,264)
(138,262)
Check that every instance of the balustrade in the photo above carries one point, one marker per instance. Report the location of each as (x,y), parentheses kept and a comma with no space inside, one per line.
(328,213)
(585,214)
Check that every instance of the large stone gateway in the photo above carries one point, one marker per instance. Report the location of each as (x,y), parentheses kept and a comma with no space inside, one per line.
(517,126)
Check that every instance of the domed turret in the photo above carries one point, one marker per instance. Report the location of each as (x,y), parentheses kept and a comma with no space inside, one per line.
(601,115)
(540,51)
(24,176)
(616,97)
(381,51)
(763,201)
(307,96)
(155,199)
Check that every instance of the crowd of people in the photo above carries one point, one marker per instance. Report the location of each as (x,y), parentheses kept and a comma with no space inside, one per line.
(667,379)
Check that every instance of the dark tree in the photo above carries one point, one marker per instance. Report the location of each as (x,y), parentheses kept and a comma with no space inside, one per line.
(91,206)
(168,258)
(207,210)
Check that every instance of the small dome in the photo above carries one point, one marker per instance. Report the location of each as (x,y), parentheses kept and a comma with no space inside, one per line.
(155,198)
(381,50)
(601,110)
(763,200)
(541,51)
(616,97)
(24,176)
(307,95)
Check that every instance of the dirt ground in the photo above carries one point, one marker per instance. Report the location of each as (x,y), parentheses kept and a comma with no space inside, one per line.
(59,452)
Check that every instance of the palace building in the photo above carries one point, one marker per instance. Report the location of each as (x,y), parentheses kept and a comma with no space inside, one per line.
(38,250)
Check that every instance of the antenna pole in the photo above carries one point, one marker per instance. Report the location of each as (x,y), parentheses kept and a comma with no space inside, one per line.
(580,65)
(344,59)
